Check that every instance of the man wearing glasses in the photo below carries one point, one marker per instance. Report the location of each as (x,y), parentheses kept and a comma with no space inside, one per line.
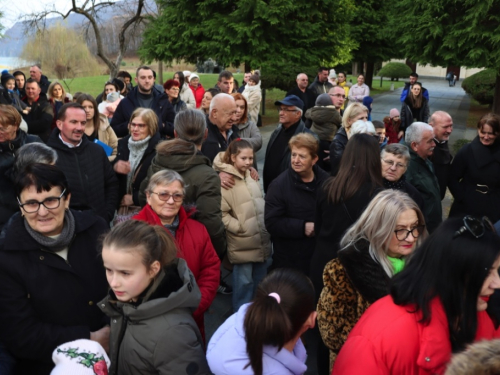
(278,153)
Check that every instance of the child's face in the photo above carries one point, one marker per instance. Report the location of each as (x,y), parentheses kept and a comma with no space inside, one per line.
(381,134)
(10,84)
(127,276)
(251,83)
(243,160)
(396,118)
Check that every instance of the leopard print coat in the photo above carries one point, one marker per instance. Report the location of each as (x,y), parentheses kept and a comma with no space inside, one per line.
(352,282)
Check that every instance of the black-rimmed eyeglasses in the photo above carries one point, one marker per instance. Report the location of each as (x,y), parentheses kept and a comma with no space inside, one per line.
(50,203)
(476,227)
(402,234)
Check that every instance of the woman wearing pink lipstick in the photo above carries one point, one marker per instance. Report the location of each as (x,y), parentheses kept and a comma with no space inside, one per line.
(372,251)
(437,305)
(135,153)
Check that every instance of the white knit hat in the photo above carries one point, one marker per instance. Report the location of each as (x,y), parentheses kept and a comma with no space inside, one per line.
(186,73)
(80,357)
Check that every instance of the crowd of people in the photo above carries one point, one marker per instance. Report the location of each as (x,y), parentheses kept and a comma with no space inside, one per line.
(118,212)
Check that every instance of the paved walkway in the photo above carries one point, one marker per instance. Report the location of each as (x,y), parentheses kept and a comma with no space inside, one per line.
(442,97)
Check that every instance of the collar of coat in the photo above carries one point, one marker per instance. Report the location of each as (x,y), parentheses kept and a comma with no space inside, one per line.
(484,155)
(366,275)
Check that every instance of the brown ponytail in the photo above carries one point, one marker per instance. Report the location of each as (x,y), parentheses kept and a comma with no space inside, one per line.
(153,242)
(276,320)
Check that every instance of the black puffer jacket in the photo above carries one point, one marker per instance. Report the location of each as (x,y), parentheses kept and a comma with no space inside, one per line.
(215,142)
(47,301)
(91,178)
(39,118)
(142,169)
(128,105)
(8,202)
(290,203)
(44,84)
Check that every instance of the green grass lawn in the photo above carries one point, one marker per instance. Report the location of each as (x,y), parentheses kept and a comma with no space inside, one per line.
(95,85)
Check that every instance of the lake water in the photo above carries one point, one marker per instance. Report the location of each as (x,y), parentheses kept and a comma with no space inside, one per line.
(12,62)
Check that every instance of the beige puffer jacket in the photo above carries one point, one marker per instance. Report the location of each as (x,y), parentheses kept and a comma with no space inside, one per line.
(107,135)
(243,216)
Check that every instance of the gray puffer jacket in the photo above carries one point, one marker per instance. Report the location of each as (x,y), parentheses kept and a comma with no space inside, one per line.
(158,335)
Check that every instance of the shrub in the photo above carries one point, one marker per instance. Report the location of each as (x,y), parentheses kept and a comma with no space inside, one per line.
(481,86)
(395,70)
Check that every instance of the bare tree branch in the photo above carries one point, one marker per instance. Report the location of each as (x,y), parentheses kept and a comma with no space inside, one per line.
(90,10)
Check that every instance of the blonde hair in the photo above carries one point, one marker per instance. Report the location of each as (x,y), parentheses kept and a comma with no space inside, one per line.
(51,88)
(378,222)
(149,117)
(352,111)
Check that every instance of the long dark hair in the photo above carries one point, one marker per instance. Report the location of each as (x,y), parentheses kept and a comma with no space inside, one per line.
(269,322)
(360,164)
(182,79)
(453,270)
(96,120)
(416,101)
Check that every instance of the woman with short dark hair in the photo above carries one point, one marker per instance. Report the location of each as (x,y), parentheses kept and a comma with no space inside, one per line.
(475,173)
(437,305)
(51,276)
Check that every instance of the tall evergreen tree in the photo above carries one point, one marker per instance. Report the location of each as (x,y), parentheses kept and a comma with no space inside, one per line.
(450,32)
(273,35)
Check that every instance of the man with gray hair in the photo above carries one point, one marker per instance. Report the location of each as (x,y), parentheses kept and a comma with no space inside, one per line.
(441,158)
(36,74)
(278,157)
(419,138)
(221,125)
(304,93)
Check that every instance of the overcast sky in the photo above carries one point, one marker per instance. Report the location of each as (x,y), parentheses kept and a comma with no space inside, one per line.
(18,8)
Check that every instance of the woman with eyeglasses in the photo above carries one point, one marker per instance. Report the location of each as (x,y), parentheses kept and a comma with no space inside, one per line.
(436,307)
(372,251)
(475,172)
(135,153)
(172,89)
(165,197)
(51,276)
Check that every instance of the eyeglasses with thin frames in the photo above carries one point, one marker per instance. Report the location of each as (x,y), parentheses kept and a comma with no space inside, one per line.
(50,203)
(391,163)
(165,197)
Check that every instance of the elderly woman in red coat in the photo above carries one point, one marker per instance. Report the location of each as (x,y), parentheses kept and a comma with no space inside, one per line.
(165,193)
(437,305)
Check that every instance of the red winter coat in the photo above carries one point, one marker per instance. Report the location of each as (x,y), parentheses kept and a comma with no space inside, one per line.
(196,249)
(389,340)
(198,93)
(391,130)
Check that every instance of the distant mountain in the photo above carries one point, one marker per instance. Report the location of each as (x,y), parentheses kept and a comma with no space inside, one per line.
(14,39)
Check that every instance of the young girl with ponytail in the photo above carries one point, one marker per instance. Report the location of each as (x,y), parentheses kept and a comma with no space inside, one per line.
(151,301)
(263,337)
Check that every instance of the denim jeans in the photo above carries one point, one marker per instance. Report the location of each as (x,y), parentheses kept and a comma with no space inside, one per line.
(246,278)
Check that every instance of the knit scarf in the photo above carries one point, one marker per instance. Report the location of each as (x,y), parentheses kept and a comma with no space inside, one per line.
(172,228)
(395,185)
(59,243)
(137,149)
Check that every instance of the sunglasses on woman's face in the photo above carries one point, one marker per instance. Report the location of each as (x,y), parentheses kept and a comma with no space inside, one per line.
(476,227)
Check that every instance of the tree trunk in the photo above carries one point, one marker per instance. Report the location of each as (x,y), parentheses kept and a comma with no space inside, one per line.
(160,73)
(247,67)
(370,67)
(496,98)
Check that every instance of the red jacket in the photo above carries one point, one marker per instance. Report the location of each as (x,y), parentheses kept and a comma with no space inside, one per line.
(196,249)
(391,130)
(389,340)
(198,93)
